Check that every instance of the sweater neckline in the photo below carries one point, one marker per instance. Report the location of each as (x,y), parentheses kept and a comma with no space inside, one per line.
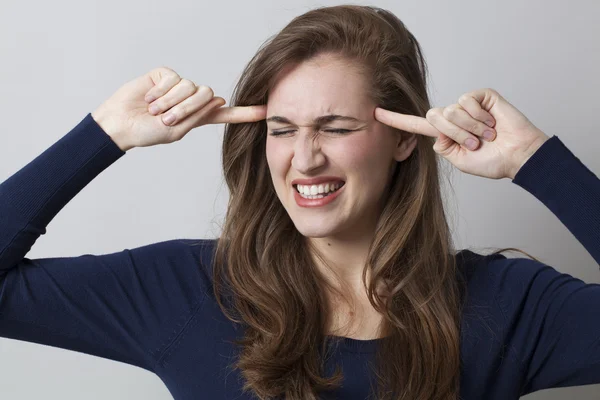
(356,345)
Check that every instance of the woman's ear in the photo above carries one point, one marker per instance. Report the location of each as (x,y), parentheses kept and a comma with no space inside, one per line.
(405,144)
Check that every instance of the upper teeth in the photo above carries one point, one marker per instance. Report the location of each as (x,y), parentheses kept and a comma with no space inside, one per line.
(316,189)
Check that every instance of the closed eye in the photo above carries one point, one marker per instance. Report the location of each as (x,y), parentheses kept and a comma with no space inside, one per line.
(339,131)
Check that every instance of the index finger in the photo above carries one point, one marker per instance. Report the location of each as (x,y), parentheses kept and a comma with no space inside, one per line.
(236,115)
(406,122)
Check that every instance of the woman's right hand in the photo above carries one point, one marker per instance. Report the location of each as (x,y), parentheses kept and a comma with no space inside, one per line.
(127,117)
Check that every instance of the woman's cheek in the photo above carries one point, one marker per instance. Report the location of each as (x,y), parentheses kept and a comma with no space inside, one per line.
(274,151)
(358,149)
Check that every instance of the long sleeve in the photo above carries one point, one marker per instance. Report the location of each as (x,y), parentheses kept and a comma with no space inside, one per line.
(31,197)
(556,177)
(552,324)
(126,306)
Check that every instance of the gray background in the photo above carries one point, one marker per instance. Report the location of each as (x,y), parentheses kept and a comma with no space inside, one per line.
(61,59)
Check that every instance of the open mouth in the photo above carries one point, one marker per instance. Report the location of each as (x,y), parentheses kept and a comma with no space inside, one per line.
(322,194)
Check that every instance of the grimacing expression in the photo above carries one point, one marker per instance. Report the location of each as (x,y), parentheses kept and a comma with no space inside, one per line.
(359,150)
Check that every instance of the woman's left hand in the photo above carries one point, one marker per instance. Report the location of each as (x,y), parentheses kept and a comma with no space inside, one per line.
(514,139)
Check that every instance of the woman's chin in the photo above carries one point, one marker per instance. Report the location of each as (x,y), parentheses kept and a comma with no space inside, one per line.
(315,231)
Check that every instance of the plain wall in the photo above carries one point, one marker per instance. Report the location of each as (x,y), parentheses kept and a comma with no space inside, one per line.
(63,58)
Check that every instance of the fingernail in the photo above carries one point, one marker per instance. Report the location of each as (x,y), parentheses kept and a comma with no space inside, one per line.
(149,98)
(154,109)
(490,123)
(168,119)
(488,135)
(471,143)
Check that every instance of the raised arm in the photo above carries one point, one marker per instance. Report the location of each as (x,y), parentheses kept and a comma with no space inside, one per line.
(127,305)
(550,327)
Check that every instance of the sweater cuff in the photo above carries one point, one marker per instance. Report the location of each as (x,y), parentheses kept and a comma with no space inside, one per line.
(550,165)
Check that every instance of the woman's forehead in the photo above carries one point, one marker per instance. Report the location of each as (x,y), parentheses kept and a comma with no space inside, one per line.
(312,99)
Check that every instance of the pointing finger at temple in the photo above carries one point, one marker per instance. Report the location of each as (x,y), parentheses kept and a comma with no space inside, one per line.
(238,114)
(405,122)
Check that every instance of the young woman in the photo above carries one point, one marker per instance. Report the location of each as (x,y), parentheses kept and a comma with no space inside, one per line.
(335,275)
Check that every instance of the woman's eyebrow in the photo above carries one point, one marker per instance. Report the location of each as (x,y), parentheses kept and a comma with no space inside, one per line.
(323,119)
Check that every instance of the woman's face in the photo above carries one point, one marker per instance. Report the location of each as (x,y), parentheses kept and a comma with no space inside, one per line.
(363,156)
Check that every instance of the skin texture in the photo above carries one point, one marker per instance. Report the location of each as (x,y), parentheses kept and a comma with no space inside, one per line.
(364,158)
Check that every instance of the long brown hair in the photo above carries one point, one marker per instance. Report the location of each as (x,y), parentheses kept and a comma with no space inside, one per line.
(264,275)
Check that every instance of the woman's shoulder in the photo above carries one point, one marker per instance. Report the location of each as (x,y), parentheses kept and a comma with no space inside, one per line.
(182,264)
(201,250)
(496,266)
(514,283)
(474,265)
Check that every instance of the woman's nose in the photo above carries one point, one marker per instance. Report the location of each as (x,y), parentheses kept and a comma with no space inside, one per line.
(307,152)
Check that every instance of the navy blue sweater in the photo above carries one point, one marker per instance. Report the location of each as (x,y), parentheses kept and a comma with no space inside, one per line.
(526,326)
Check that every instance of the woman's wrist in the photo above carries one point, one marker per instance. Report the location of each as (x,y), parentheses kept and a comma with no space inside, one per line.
(112,130)
(527,154)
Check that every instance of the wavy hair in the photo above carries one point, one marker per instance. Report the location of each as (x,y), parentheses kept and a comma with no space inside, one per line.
(264,275)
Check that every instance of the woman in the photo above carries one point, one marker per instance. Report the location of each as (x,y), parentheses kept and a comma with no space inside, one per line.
(308,295)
